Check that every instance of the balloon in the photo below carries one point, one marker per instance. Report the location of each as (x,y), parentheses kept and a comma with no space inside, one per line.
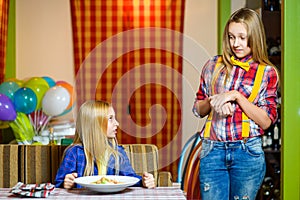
(55,101)
(49,80)
(7,110)
(8,88)
(17,81)
(25,100)
(70,90)
(66,111)
(39,86)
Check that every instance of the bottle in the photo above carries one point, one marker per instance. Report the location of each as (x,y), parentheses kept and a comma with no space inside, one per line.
(51,136)
(269,140)
(277,194)
(264,141)
(267,187)
(276,138)
(266,4)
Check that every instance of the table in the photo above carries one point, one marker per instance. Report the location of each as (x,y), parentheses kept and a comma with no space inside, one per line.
(128,193)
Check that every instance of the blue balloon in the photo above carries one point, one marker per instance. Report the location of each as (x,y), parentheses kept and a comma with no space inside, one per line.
(7,110)
(50,81)
(25,100)
(9,88)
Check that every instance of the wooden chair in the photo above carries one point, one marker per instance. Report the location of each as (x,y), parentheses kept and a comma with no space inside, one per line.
(189,166)
(144,157)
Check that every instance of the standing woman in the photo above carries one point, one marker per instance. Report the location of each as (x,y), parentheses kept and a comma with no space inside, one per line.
(238,93)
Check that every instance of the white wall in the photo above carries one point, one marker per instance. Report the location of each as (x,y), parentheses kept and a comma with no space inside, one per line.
(44,45)
(200,26)
(44,39)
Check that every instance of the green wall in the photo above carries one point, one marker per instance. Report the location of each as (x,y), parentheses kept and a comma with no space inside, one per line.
(291,100)
(10,69)
(224,11)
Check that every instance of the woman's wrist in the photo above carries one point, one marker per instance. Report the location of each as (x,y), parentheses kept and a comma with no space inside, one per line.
(237,96)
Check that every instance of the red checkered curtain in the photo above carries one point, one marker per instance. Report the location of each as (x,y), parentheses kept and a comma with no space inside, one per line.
(129,52)
(4,5)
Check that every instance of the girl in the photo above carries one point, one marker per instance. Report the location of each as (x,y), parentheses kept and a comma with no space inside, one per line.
(95,150)
(238,93)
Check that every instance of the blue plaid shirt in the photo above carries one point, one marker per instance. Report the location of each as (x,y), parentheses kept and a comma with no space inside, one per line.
(74,161)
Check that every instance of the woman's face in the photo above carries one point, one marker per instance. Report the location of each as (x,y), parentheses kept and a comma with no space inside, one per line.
(238,39)
(112,124)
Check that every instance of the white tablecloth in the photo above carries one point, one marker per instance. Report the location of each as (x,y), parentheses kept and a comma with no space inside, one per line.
(129,193)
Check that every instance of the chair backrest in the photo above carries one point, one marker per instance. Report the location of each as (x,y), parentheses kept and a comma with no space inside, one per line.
(189,167)
(39,163)
(185,157)
(143,158)
(9,165)
(28,163)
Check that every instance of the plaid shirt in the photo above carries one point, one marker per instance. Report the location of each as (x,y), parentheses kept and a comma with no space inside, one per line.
(230,128)
(74,161)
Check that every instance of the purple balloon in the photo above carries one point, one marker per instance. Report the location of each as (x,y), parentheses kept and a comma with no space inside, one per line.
(7,110)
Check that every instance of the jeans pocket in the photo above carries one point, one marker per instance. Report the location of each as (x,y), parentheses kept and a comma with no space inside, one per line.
(255,148)
(206,149)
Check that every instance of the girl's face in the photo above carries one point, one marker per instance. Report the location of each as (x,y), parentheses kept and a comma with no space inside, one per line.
(238,39)
(112,124)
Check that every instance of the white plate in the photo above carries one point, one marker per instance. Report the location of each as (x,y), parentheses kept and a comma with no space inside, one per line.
(126,181)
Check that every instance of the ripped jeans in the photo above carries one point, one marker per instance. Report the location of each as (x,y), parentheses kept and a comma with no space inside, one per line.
(231,170)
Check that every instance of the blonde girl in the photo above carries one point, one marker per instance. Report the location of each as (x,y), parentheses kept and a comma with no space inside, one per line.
(95,150)
(238,94)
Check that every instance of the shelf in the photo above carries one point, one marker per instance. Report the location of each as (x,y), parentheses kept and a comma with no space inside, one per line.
(272,151)
(276,60)
(272,24)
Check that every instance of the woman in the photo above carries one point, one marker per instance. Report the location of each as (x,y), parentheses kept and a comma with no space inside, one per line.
(238,93)
(95,150)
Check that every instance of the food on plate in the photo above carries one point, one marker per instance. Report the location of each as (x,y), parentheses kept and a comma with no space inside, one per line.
(105,180)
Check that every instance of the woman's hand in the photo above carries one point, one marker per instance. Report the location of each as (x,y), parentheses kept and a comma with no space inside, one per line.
(148,180)
(225,110)
(221,103)
(69,180)
(219,100)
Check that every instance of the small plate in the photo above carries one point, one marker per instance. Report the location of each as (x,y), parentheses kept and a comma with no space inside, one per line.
(125,181)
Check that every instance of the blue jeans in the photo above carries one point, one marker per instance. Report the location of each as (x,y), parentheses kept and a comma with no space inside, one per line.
(231,170)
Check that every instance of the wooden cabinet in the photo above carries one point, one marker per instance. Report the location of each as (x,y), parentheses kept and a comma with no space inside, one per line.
(271,17)
(270,189)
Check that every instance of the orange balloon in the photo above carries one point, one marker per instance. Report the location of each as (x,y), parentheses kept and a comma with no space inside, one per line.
(70,89)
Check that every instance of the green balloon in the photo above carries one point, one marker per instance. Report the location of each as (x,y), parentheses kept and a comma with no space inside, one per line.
(39,86)
(9,88)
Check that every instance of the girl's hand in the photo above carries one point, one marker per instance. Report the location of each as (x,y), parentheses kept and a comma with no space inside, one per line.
(69,180)
(148,180)
(225,110)
(221,103)
(219,100)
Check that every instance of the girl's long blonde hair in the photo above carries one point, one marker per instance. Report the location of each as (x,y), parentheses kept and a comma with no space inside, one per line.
(91,133)
(255,33)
